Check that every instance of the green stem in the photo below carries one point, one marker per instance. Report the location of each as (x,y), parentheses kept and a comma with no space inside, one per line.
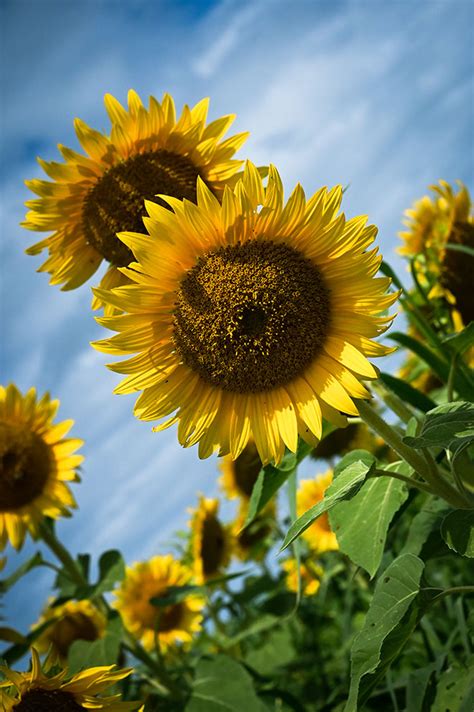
(61,553)
(292,484)
(408,480)
(450,591)
(73,570)
(392,401)
(438,484)
(452,373)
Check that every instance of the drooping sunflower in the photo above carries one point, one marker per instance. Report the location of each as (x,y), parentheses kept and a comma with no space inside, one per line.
(70,621)
(240,475)
(92,197)
(439,227)
(249,317)
(211,543)
(310,573)
(254,541)
(36,461)
(319,536)
(169,625)
(38,691)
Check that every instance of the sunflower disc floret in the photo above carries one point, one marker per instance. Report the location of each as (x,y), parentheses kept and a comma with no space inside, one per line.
(36,461)
(91,197)
(42,691)
(249,317)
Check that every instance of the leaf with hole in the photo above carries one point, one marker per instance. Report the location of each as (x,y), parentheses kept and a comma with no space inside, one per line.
(395,591)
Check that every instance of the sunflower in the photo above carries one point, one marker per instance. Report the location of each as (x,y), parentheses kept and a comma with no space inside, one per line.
(39,692)
(240,475)
(254,541)
(310,574)
(249,317)
(319,535)
(169,625)
(36,460)
(437,228)
(210,541)
(70,621)
(355,436)
(94,196)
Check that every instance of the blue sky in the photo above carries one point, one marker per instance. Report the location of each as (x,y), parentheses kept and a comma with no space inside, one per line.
(375,94)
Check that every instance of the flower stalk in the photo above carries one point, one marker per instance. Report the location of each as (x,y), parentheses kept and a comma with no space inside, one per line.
(426,470)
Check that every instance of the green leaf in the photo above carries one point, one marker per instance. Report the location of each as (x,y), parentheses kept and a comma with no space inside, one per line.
(455,691)
(418,685)
(394,592)
(18,650)
(35,560)
(438,365)
(361,524)
(275,653)
(12,636)
(446,426)
(354,456)
(222,685)
(104,651)
(271,478)
(111,571)
(345,486)
(461,341)
(407,393)
(457,531)
(262,624)
(392,647)
(427,520)
(459,248)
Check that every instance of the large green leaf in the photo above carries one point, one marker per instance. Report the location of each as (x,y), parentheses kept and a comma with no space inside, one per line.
(461,341)
(345,486)
(457,531)
(275,652)
(271,478)
(361,523)
(407,393)
(104,651)
(455,690)
(427,520)
(222,685)
(395,591)
(449,425)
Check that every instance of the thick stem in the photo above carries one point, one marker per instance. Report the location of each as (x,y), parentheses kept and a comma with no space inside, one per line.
(411,457)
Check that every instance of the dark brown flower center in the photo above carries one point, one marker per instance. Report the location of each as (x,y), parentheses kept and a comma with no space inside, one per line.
(212,546)
(458,268)
(251,317)
(73,626)
(38,700)
(170,617)
(246,469)
(25,466)
(255,532)
(338,442)
(116,202)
